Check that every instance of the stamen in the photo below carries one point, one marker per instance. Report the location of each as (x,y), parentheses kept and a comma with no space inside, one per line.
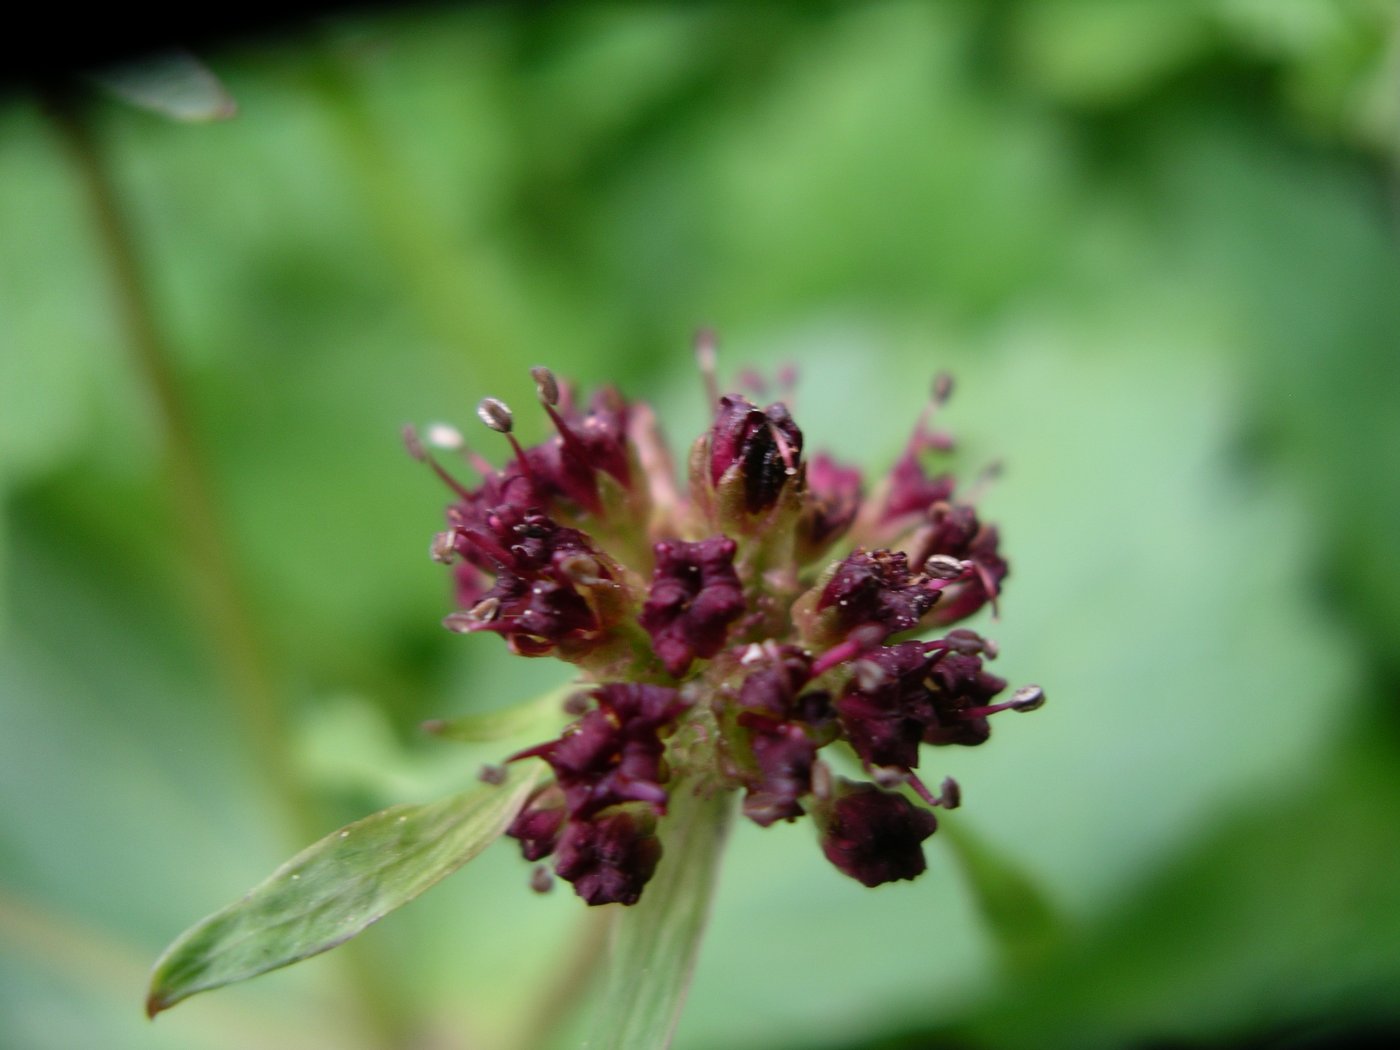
(784,450)
(984,480)
(923,438)
(459,622)
(496,414)
(445,437)
(989,585)
(950,794)
(547,390)
(706,357)
(546,386)
(541,879)
(444,547)
(1028,698)
(921,789)
(968,643)
(946,567)
(887,776)
(487,545)
(859,640)
(485,610)
(415,448)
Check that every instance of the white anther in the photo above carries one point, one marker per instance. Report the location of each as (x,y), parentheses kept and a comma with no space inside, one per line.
(445,436)
(1028,698)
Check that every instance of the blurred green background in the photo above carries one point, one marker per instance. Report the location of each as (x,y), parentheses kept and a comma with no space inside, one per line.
(1155,242)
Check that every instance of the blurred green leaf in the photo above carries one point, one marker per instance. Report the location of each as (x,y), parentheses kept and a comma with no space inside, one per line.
(336,888)
(1017,915)
(175,85)
(489,726)
(1285,912)
(654,943)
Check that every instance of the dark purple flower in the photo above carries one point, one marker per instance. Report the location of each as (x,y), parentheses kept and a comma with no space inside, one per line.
(887,706)
(954,531)
(876,587)
(763,446)
(610,857)
(695,595)
(875,836)
(784,755)
(539,824)
(612,754)
(539,566)
(771,688)
(962,692)
(585,547)
(587,443)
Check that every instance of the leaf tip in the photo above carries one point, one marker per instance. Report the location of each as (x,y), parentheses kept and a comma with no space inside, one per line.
(156,1003)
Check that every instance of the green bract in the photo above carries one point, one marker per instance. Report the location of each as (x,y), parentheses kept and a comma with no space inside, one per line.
(336,888)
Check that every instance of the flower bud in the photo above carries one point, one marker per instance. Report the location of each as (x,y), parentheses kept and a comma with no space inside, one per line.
(695,595)
(610,857)
(756,450)
(875,836)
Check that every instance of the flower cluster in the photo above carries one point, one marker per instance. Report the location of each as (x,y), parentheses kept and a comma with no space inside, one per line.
(725,640)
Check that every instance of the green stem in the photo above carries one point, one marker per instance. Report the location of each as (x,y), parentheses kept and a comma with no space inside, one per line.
(221,605)
(655,943)
(558,1002)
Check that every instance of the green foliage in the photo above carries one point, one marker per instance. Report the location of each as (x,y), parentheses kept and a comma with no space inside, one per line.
(1153,242)
(336,888)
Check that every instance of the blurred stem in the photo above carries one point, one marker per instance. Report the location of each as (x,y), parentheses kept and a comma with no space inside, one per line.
(560,1000)
(466,303)
(221,603)
(654,944)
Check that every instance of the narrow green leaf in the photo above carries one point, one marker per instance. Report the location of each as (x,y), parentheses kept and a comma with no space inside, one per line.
(174,84)
(654,944)
(489,726)
(337,887)
(1014,911)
